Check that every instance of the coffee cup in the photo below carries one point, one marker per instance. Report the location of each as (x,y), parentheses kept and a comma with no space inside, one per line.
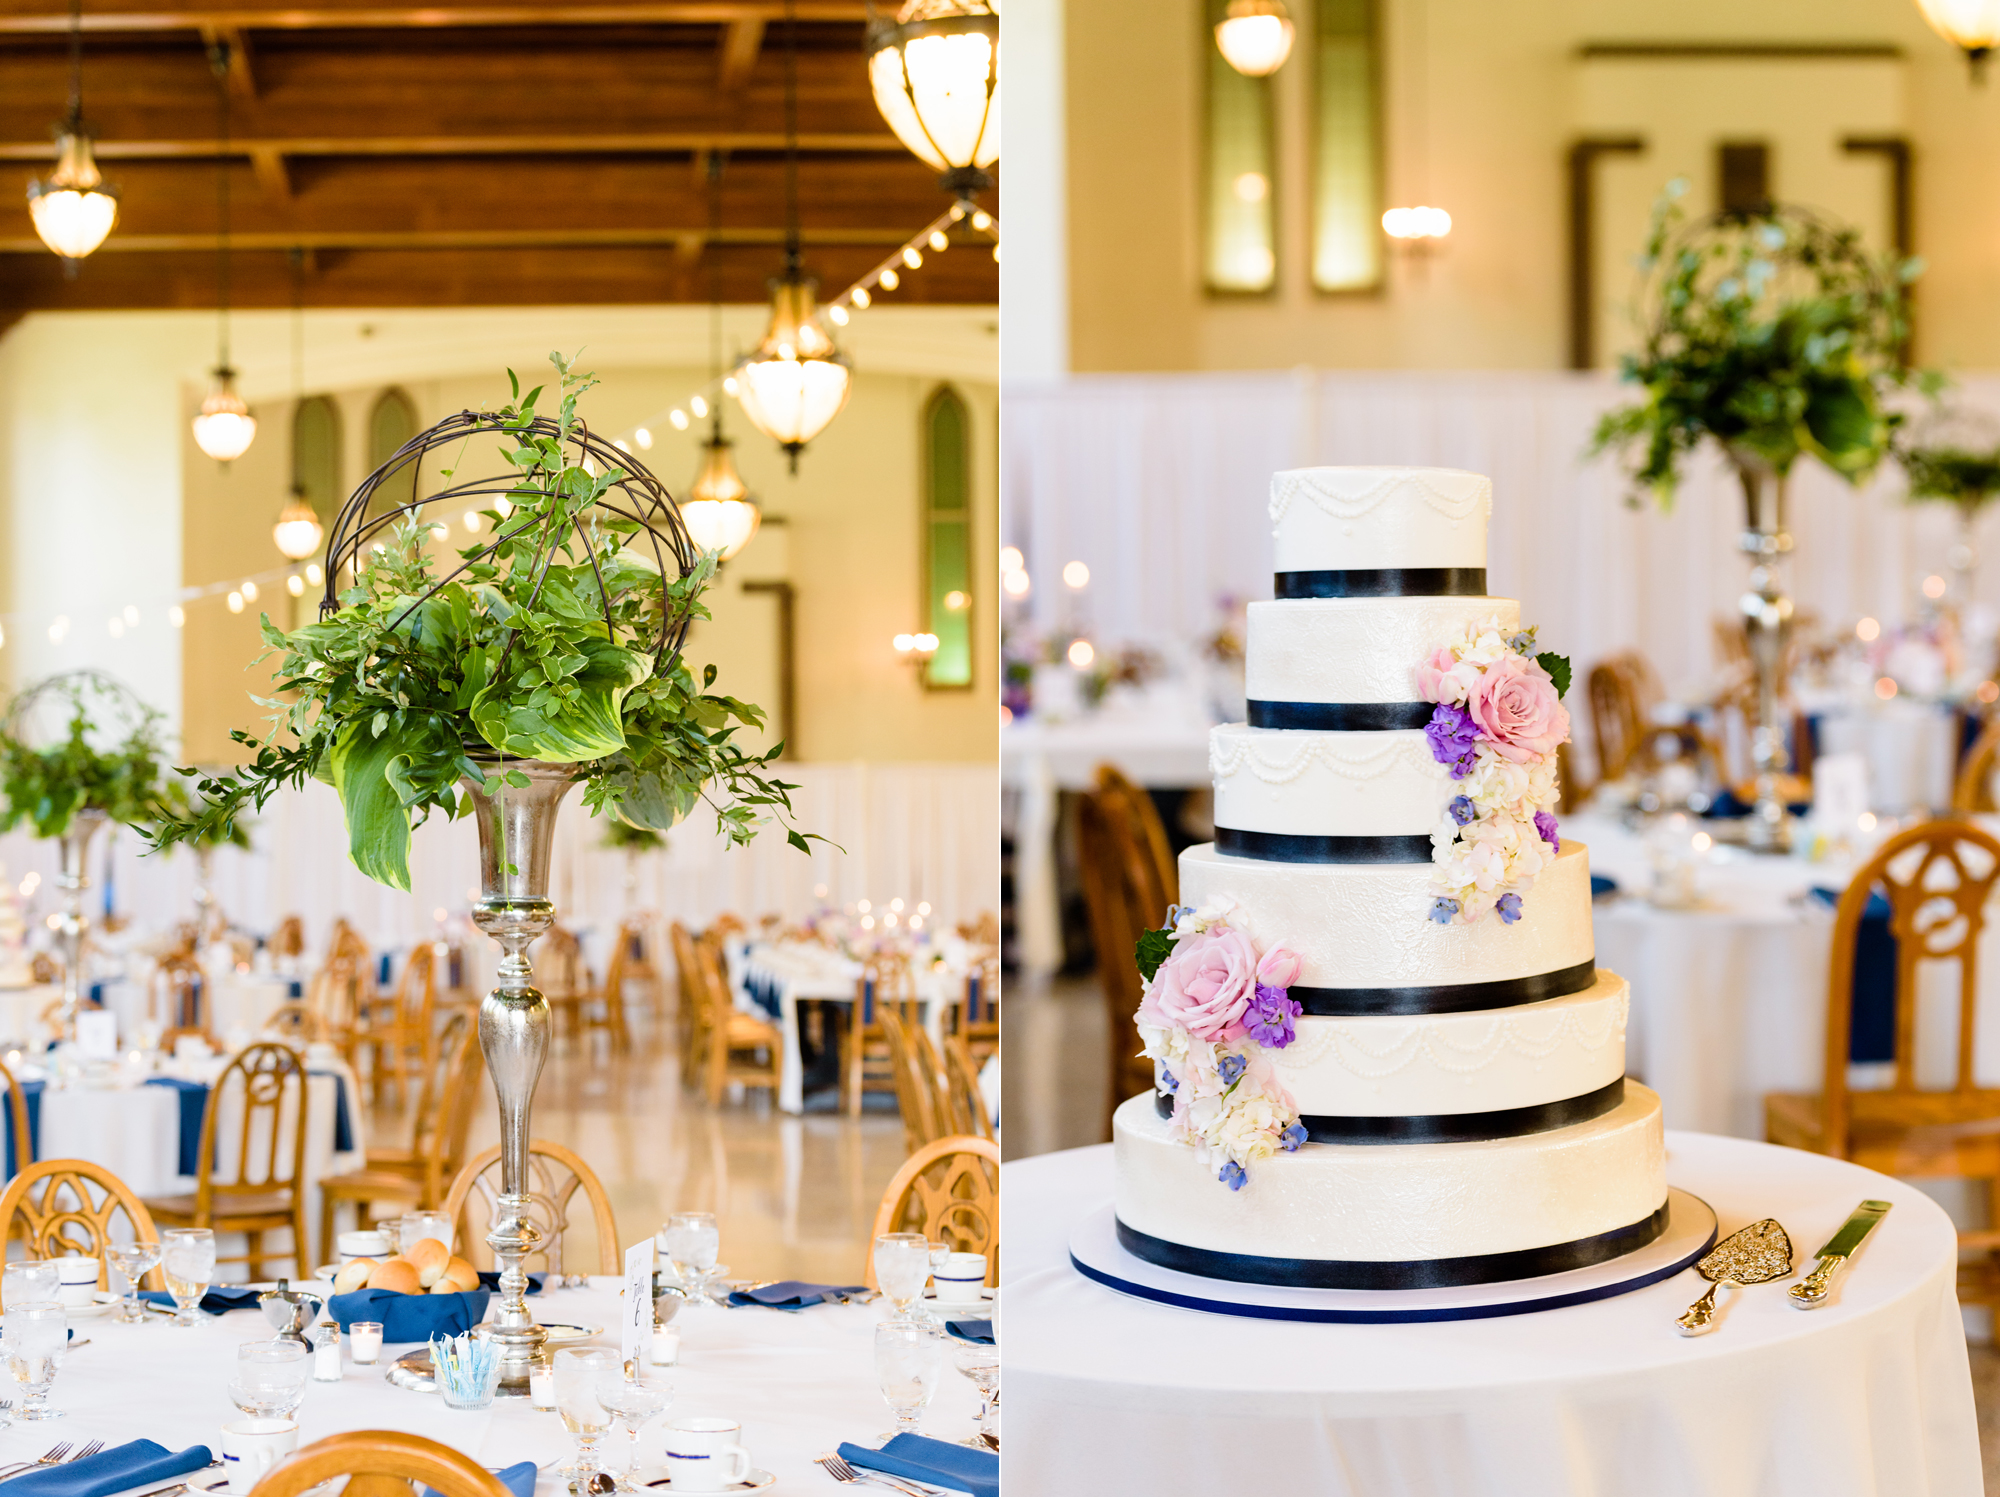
(251,1447)
(78,1280)
(706,1455)
(961,1278)
(351,1245)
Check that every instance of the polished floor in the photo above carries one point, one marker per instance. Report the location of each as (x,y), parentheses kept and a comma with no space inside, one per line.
(794,1197)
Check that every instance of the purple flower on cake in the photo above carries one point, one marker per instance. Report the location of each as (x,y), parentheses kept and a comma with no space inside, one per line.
(1545,823)
(1292,1137)
(1515,706)
(1167,1080)
(1232,1174)
(1454,739)
(1508,906)
(1443,909)
(1269,1017)
(1462,809)
(1231,1068)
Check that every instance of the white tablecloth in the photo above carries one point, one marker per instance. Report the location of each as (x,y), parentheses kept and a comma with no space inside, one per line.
(1869,1397)
(800,1383)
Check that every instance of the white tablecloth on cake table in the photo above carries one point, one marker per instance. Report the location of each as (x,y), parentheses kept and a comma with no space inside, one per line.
(1869,1397)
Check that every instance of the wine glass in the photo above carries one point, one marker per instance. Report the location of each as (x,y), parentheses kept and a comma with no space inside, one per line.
(133,1260)
(693,1240)
(902,1264)
(33,1336)
(907,1357)
(634,1403)
(981,1366)
(188,1256)
(270,1378)
(578,1371)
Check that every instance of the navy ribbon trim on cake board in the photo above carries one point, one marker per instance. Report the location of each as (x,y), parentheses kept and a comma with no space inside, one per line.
(1383,582)
(1444,998)
(1294,847)
(1342,717)
(1421,1273)
(1449,1127)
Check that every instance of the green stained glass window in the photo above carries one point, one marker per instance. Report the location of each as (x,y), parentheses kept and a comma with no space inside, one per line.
(316,454)
(947,478)
(1239,186)
(1347,155)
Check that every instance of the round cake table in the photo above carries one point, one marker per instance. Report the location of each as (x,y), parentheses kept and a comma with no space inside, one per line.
(1870,1395)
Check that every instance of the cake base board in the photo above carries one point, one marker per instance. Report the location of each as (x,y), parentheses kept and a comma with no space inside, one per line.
(1095,1252)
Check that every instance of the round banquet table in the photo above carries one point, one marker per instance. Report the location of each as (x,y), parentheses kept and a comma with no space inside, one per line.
(1869,1395)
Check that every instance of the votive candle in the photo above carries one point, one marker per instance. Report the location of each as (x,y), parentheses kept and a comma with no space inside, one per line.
(364,1341)
(666,1346)
(542,1385)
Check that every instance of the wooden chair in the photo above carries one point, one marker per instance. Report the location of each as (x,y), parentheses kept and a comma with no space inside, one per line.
(288,941)
(917,1097)
(67,1205)
(265,1083)
(735,1046)
(690,1009)
(168,1038)
(1617,717)
(635,938)
(962,1094)
(380,1463)
(1939,878)
(1973,789)
(416,1178)
(175,990)
(564,978)
(950,1192)
(604,1008)
(886,983)
(554,1177)
(17,1109)
(401,1027)
(977,1016)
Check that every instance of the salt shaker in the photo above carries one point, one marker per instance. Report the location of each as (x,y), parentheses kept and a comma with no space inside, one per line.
(326,1352)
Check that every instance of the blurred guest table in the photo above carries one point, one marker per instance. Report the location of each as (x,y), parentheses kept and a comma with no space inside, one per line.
(800,1383)
(1869,1395)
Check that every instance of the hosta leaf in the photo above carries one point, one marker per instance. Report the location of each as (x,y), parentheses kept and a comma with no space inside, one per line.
(378,823)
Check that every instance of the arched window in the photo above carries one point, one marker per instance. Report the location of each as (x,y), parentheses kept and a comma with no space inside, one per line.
(392,423)
(316,454)
(947,508)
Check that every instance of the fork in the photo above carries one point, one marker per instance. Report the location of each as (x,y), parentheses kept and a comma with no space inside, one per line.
(53,1458)
(836,1467)
(89,1450)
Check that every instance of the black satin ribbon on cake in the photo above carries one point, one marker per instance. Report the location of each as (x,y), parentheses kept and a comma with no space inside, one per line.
(1421,1273)
(1383,582)
(1444,998)
(1342,717)
(1449,1127)
(1294,847)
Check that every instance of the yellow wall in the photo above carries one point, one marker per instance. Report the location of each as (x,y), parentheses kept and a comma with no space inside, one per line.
(1483,132)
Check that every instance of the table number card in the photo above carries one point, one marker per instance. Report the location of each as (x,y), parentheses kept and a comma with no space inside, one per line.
(1840,793)
(635,1329)
(97,1034)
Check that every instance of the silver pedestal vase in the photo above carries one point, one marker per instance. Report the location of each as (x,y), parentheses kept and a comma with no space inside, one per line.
(1767,621)
(74,849)
(516,832)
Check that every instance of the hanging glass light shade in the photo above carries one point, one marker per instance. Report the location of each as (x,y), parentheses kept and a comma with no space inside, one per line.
(796,380)
(298,531)
(1255,36)
(72,207)
(225,428)
(1973,26)
(719,513)
(936,77)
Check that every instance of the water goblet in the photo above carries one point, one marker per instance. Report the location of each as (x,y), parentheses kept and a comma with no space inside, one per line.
(634,1403)
(188,1256)
(133,1260)
(270,1380)
(34,1282)
(578,1371)
(33,1336)
(907,1363)
(902,1264)
(693,1240)
(981,1366)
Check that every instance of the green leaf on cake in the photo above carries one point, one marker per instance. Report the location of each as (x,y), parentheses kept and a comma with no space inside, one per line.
(1155,946)
(1558,668)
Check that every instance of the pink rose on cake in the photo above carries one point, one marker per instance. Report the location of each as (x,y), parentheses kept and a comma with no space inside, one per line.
(1446,678)
(1516,707)
(1205,985)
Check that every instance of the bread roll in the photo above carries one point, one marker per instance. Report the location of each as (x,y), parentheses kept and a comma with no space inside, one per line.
(353,1276)
(457,1276)
(428,1258)
(396,1274)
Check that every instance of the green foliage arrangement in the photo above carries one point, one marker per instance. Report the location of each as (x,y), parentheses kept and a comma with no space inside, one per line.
(398,695)
(622,836)
(1773,334)
(46,786)
(1960,476)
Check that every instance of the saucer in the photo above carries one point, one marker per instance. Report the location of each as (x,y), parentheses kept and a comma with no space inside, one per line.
(206,1481)
(759,1479)
(101,1301)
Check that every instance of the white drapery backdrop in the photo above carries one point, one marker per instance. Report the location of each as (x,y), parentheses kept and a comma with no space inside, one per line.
(915,831)
(1158,482)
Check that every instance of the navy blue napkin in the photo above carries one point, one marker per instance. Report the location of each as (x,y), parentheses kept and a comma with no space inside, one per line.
(194,1101)
(971,1330)
(411,1317)
(1602,886)
(790,1294)
(490,1278)
(113,1470)
(31,1093)
(935,1461)
(343,1124)
(1871,1029)
(518,1479)
(215,1302)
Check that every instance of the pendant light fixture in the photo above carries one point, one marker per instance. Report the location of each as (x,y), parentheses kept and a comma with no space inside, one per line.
(1972,26)
(1255,36)
(719,512)
(935,72)
(225,428)
(796,381)
(298,532)
(73,208)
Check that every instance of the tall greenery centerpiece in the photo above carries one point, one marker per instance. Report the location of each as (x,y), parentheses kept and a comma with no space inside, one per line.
(1954,459)
(547,657)
(1773,335)
(78,751)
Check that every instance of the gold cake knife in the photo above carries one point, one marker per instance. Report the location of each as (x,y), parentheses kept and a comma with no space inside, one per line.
(1817,1287)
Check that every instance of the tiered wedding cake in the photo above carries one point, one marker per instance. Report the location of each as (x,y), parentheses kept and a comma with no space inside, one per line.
(1385,1056)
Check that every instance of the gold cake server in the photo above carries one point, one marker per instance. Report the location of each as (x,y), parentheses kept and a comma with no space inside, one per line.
(1817,1287)
(1756,1255)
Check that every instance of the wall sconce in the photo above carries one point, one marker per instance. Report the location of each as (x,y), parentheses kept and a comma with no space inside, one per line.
(915,649)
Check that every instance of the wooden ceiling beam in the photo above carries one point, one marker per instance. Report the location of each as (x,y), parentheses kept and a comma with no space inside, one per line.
(742,39)
(274,180)
(687,243)
(663,143)
(39,17)
(233,46)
